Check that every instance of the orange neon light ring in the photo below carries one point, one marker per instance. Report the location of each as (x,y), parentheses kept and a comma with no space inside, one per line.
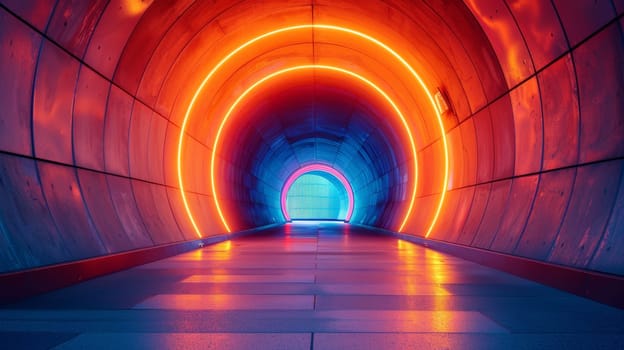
(327,27)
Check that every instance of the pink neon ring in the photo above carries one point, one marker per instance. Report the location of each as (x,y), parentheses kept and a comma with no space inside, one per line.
(317,167)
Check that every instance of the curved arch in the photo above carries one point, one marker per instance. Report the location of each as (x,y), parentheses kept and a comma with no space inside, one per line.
(292,69)
(323,168)
(359,35)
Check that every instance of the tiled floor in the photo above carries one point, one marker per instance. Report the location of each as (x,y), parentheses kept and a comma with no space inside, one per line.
(311,286)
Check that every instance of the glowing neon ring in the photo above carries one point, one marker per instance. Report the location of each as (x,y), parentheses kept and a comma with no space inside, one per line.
(238,100)
(317,167)
(340,29)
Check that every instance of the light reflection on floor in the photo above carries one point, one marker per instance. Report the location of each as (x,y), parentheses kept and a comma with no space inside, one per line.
(321,285)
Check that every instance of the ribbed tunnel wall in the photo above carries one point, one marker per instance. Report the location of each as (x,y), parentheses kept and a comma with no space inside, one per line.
(94,95)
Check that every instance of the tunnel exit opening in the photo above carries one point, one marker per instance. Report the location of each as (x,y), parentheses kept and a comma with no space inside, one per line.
(317,192)
(317,195)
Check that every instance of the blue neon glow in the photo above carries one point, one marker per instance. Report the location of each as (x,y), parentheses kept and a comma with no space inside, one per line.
(317,195)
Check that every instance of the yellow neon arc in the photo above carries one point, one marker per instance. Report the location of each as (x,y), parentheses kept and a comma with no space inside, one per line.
(349,73)
(327,27)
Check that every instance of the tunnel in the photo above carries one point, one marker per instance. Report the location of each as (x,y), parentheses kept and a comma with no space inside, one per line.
(495,127)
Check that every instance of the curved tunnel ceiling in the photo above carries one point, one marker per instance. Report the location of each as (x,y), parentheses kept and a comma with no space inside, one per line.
(308,121)
(527,160)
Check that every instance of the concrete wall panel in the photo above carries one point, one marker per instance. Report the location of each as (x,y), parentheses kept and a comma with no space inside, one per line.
(516,213)
(600,71)
(465,198)
(35,12)
(169,156)
(477,209)
(527,114)
(88,119)
(155,151)
(541,30)
(548,211)
(448,216)
(102,211)
(485,145)
(492,217)
(576,21)
(457,159)
(422,217)
(22,202)
(64,198)
(155,212)
(138,142)
(180,216)
(469,150)
(73,22)
(55,86)
(165,214)
(9,259)
(483,57)
(590,205)
(561,114)
(152,26)
(196,160)
(609,255)
(505,38)
(619,6)
(502,137)
(429,183)
(207,225)
(116,132)
(126,208)
(110,36)
(19,47)
(170,46)
(461,81)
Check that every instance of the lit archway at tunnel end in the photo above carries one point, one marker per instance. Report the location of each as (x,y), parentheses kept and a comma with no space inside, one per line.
(320,168)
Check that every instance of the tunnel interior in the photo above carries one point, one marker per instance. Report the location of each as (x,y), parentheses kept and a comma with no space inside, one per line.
(493,124)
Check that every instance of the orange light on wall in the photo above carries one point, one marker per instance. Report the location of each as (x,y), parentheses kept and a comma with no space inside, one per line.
(356,34)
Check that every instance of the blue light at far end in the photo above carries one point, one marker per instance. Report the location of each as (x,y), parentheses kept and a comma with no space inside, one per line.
(317,196)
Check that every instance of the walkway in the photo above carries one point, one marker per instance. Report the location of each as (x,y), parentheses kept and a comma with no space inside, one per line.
(310,286)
